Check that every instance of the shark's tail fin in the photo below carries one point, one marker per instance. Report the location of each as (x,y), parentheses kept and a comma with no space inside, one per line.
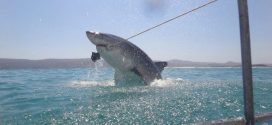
(161,65)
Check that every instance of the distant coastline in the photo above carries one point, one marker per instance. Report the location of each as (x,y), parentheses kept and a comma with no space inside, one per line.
(6,63)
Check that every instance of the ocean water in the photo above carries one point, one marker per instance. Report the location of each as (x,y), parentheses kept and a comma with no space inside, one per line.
(89,96)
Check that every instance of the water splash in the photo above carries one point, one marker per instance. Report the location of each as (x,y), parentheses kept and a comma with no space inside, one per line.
(85,83)
(166,82)
(97,65)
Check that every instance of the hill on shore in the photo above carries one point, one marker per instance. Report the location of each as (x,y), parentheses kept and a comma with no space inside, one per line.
(86,62)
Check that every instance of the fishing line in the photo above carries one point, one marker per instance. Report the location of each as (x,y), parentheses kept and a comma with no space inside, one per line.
(183,14)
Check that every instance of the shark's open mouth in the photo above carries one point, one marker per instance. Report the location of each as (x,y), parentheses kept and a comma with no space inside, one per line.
(101,45)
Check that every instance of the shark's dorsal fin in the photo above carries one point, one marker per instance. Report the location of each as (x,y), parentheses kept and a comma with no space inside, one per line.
(161,65)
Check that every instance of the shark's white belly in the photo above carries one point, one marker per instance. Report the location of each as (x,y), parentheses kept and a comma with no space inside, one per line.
(116,59)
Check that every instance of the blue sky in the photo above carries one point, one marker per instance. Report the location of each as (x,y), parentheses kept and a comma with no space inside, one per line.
(36,29)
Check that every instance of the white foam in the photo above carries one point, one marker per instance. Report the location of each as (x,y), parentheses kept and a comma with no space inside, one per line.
(166,82)
(86,83)
(156,83)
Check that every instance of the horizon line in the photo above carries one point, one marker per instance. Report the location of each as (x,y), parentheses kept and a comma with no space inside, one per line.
(153,60)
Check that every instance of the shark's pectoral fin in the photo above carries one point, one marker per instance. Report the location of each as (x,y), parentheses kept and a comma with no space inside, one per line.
(136,71)
(161,65)
(145,78)
(127,78)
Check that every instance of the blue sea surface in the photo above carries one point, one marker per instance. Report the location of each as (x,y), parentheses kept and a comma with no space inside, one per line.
(89,96)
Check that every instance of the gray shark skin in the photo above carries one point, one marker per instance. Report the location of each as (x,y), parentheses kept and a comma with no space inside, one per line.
(128,60)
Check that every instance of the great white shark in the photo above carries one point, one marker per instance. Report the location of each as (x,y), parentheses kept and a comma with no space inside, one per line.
(128,60)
